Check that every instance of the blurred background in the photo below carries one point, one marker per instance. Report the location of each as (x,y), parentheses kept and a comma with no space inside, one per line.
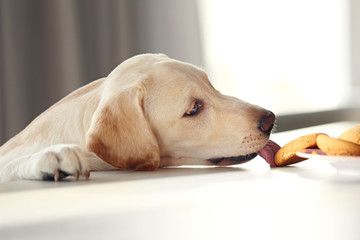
(298,58)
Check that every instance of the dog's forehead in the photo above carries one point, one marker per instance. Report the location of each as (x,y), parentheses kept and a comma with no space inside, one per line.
(175,84)
(176,71)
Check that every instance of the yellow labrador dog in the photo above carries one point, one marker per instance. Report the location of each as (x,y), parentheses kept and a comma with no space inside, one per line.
(150,112)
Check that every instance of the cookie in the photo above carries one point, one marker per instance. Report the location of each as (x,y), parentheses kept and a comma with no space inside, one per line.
(337,147)
(287,154)
(351,135)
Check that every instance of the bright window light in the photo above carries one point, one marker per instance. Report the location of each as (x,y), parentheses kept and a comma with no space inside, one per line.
(288,56)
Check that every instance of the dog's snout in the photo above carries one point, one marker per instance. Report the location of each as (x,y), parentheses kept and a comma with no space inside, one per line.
(266,122)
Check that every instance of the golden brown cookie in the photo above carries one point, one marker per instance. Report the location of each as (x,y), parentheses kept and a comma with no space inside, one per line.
(287,154)
(337,147)
(351,135)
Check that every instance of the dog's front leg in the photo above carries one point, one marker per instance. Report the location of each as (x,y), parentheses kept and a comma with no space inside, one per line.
(52,163)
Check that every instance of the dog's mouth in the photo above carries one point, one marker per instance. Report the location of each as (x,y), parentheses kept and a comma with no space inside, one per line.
(224,161)
(267,153)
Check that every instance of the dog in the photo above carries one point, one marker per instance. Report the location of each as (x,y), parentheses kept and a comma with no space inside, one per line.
(151,111)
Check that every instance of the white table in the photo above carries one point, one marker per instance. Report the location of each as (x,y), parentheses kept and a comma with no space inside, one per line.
(309,200)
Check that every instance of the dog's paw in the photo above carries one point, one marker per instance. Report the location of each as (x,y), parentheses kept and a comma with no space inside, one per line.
(59,161)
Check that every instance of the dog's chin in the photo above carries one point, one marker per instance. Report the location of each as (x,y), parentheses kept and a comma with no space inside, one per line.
(224,161)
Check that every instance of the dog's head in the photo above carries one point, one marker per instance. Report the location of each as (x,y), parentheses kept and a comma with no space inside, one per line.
(154,107)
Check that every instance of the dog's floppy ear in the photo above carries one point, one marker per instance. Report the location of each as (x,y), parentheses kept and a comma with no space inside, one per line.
(120,133)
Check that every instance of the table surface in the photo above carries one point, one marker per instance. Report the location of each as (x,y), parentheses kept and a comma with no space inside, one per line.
(309,200)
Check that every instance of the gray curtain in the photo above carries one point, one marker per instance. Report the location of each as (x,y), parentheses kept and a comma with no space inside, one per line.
(48,48)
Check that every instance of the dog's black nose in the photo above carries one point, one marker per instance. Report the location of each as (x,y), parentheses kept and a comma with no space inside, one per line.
(266,122)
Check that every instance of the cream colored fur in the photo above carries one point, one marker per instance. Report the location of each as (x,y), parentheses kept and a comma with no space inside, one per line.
(134,119)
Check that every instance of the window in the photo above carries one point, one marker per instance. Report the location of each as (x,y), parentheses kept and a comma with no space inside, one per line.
(279,54)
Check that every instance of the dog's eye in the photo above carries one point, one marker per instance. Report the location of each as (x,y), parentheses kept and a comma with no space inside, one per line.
(194,109)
